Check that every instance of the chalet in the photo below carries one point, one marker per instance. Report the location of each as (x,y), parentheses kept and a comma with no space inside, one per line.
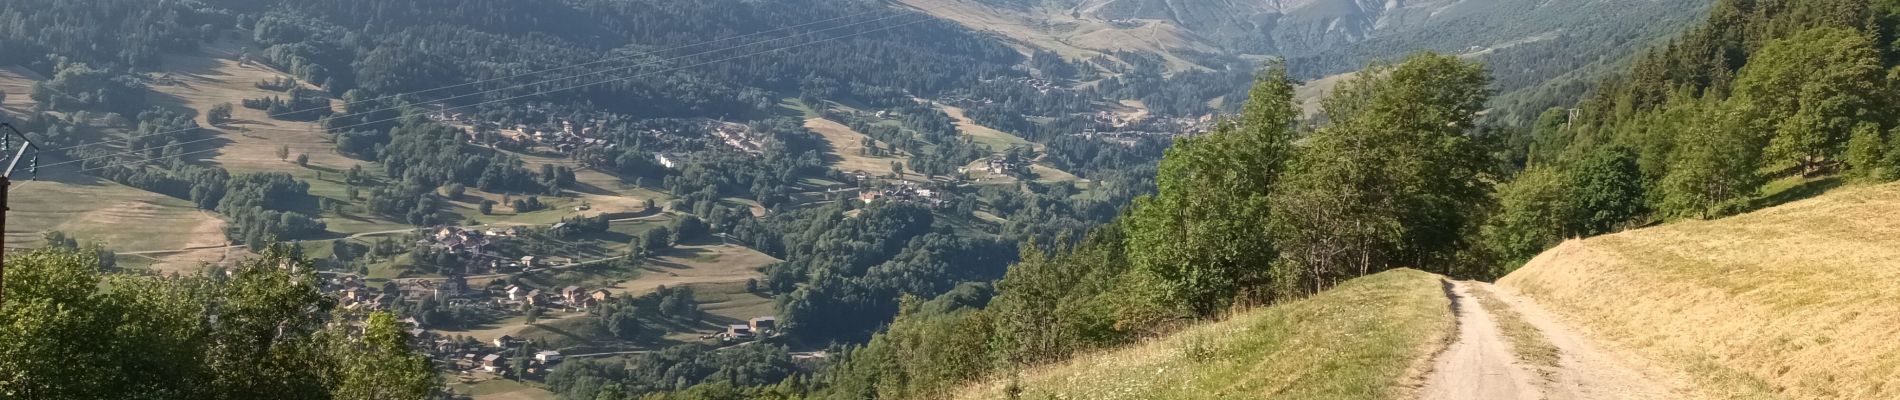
(738,331)
(548,356)
(347,282)
(516,292)
(527,261)
(765,323)
(504,341)
(534,298)
(808,359)
(492,363)
(572,295)
(456,240)
(869,196)
(600,294)
(666,161)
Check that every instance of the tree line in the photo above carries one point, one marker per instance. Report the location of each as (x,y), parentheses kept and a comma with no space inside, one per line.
(259,329)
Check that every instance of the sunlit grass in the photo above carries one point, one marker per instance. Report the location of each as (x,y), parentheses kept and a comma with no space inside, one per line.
(1794,301)
(1362,340)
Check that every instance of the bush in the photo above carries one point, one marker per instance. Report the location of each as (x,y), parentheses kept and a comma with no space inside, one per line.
(658,238)
(219,114)
(688,228)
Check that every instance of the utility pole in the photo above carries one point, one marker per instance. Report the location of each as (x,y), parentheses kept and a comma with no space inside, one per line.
(6,186)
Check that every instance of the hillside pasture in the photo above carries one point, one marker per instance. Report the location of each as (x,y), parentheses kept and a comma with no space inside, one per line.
(1064,34)
(708,263)
(117,216)
(501,389)
(1796,301)
(212,75)
(994,139)
(846,146)
(17,82)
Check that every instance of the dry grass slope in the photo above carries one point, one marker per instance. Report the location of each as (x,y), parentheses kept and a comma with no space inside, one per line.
(847,146)
(1064,33)
(1362,340)
(1797,301)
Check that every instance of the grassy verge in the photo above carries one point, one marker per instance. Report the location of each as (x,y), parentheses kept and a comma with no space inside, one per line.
(1528,343)
(1361,340)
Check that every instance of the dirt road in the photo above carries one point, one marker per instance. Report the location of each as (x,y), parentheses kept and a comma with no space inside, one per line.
(1479,364)
(1482,363)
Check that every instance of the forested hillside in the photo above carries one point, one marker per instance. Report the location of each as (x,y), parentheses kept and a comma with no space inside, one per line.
(361,132)
(1769,101)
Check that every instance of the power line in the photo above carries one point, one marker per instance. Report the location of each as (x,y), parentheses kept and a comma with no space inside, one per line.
(392,96)
(919,20)
(503,89)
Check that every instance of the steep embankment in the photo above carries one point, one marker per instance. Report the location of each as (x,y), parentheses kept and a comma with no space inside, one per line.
(1366,339)
(1797,301)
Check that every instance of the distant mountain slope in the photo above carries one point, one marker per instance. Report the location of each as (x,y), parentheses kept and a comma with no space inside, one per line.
(1251,27)
(1797,301)
(1544,53)
(1298,28)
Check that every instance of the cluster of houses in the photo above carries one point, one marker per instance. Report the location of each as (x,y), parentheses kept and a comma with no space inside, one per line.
(477,246)
(466,241)
(737,136)
(569,298)
(998,165)
(353,295)
(492,357)
(565,140)
(905,191)
(569,137)
(1116,128)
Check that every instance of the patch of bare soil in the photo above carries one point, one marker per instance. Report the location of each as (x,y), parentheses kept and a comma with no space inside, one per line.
(1481,363)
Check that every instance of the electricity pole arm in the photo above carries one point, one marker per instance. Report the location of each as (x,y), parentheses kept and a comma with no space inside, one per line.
(6,186)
